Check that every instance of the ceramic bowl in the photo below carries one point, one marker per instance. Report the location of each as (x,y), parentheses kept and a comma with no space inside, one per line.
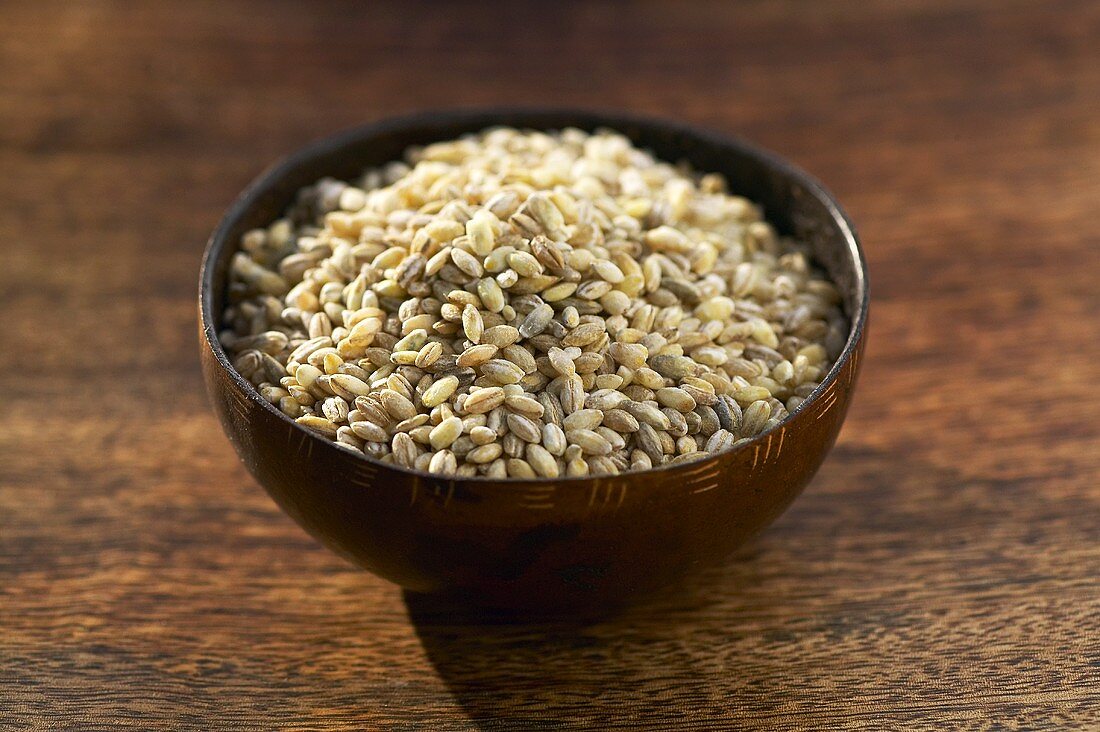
(537,543)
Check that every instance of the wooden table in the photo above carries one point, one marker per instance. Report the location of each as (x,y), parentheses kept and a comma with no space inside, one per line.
(941,571)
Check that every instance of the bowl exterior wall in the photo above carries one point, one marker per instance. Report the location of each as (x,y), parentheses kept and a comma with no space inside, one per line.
(531,543)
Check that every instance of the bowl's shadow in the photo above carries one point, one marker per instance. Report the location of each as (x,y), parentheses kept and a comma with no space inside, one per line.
(747,645)
(655,663)
(651,662)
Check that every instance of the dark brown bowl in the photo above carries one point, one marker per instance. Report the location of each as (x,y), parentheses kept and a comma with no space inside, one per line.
(573,541)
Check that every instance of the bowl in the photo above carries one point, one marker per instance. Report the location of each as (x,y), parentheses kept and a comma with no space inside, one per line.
(587,541)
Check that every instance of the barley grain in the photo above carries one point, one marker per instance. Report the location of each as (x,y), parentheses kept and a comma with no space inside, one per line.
(541,461)
(756,415)
(518,468)
(495,290)
(500,336)
(320,425)
(483,435)
(553,439)
(443,462)
(583,419)
(677,399)
(524,405)
(445,433)
(483,400)
(502,371)
(485,453)
(525,428)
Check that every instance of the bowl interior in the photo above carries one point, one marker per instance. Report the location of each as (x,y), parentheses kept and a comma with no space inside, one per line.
(792,201)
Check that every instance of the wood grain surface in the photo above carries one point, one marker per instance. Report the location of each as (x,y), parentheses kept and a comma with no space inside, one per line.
(942,571)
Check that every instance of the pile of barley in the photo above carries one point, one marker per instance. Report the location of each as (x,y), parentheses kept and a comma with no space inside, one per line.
(528,304)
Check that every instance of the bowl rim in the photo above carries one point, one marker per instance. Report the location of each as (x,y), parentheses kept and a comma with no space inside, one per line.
(479,118)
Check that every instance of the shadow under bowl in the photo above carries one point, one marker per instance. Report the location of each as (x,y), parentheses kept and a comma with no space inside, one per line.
(593,541)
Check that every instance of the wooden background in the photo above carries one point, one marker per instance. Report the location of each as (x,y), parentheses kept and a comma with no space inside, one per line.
(942,570)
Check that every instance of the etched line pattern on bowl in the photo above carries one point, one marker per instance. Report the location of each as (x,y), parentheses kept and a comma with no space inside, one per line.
(774,438)
(238,409)
(604,495)
(303,446)
(853,366)
(827,400)
(703,478)
(539,498)
(364,476)
(441,496)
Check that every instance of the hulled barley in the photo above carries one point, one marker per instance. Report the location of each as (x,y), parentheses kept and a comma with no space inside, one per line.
(461,314)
